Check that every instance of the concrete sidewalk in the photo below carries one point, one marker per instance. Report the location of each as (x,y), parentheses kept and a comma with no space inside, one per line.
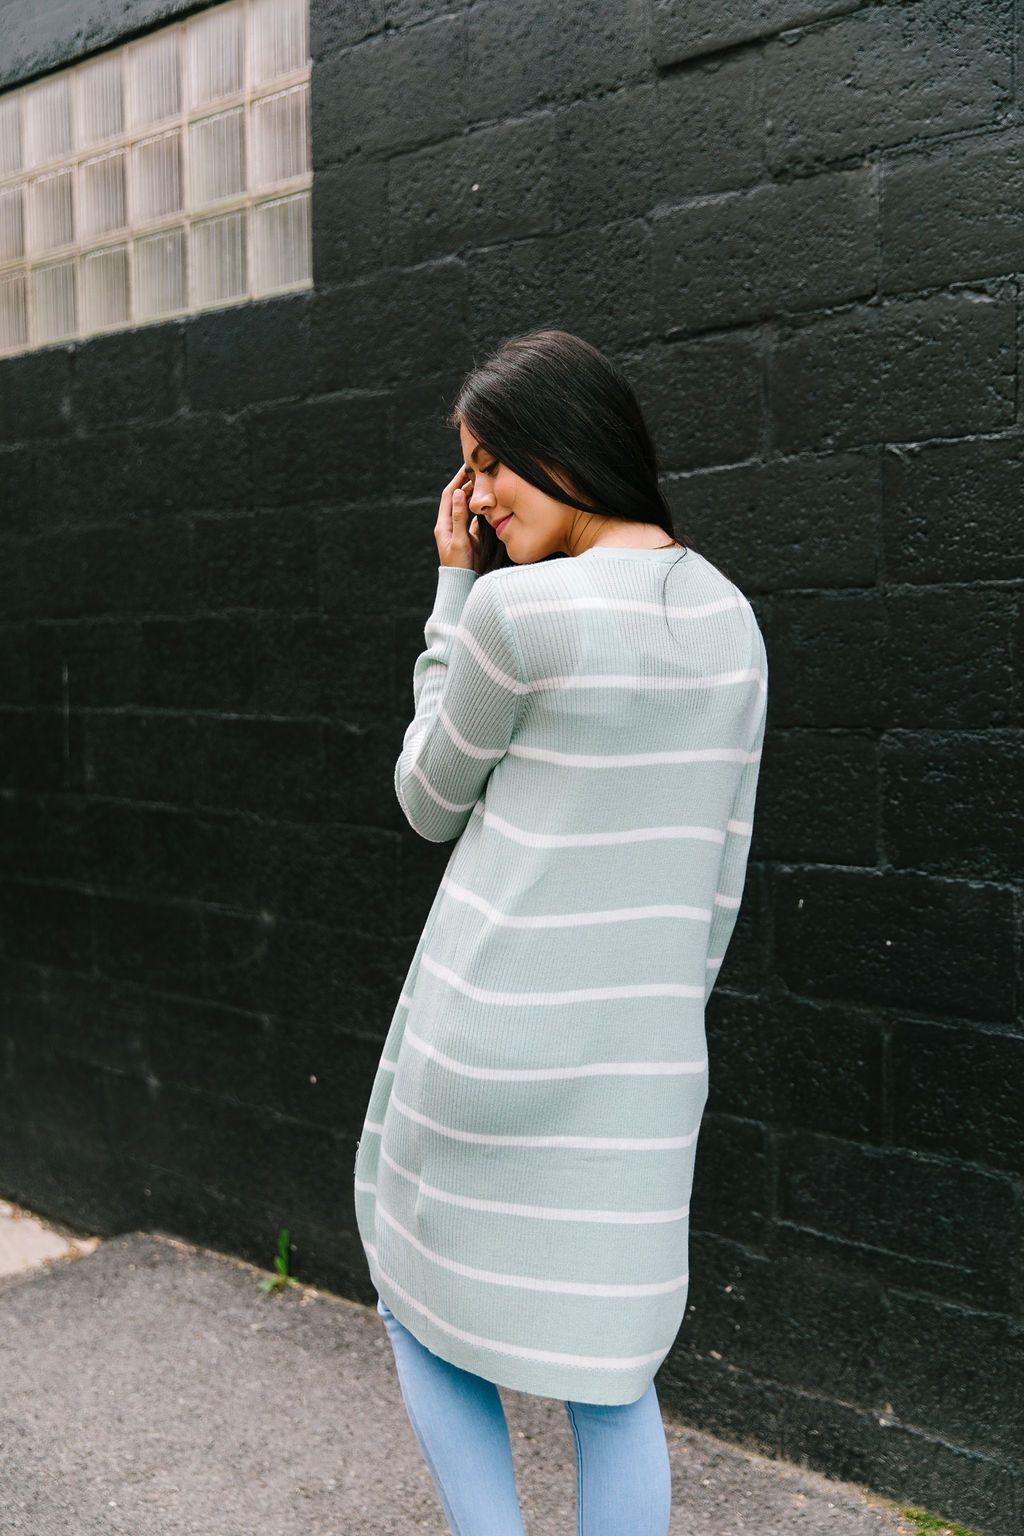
(150,1388)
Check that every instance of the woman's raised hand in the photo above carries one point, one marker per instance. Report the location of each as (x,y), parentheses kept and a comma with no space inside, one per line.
(455,534)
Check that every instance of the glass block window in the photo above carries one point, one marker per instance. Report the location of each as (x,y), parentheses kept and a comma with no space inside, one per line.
(166,176)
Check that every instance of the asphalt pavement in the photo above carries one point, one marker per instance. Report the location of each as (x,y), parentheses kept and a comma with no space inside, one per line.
(151,1388)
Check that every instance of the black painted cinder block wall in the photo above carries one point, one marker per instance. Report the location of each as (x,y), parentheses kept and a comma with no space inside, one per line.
(803,238)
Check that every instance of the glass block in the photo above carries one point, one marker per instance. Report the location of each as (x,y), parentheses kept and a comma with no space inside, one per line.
(12,223)
(282,242)
(10,136)
(154,78)
(53,301)
(116,208)
(218,259)
(160,273)
(49,211)
(47,120)
(280,136)
(216,55)
(13,312)
(103,284)
(100,100)
(101,194)
(278,38)
(217,157)
(156,177)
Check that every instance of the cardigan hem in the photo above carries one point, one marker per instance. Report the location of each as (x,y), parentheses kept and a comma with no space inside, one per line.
(539,1378)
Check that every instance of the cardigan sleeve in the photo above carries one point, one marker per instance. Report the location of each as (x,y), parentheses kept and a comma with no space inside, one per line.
(466,690)
(733,870)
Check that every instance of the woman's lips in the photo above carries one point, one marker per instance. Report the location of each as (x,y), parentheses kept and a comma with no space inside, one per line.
(499,526)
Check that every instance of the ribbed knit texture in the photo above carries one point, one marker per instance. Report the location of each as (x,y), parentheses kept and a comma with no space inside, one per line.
(523,1175)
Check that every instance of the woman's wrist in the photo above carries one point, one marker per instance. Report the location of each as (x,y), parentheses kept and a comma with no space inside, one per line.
(454,584)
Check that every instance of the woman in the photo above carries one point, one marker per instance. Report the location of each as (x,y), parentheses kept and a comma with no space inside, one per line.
(589,714)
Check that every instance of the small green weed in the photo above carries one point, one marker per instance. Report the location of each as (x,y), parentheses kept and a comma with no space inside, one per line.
(931,1525)
(275,1282)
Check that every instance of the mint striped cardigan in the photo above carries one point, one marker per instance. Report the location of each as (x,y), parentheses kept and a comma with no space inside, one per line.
(591,741)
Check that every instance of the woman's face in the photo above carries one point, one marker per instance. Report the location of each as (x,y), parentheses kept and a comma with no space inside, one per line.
(530,524)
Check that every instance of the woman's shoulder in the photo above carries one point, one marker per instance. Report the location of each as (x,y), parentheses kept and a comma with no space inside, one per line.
(513,583)
(552,572)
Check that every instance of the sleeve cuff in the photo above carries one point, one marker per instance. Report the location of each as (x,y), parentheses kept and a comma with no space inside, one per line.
(454,584)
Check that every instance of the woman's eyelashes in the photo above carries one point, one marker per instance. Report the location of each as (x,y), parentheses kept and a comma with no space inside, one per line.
(474,478)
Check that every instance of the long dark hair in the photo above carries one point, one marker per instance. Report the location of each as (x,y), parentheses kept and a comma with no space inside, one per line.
(548,400)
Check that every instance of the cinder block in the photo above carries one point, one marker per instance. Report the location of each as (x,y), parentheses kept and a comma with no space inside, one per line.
(950,804)
(953,214)
(810,520)
(249,353)
(721,378)
(921,1223)
(528,55)
(502,182)
(686,28)
(710,128)
(896,940)
(354,107)
(775,249)
(886,75)
(955,509)
(314,451)
(387,328)
(907,370)
(127,376)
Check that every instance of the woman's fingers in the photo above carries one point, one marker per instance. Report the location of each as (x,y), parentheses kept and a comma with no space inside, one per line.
(443,526)
(451,531)
(458,481)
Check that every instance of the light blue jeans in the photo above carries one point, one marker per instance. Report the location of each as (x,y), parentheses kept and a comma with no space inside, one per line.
(623,1479)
